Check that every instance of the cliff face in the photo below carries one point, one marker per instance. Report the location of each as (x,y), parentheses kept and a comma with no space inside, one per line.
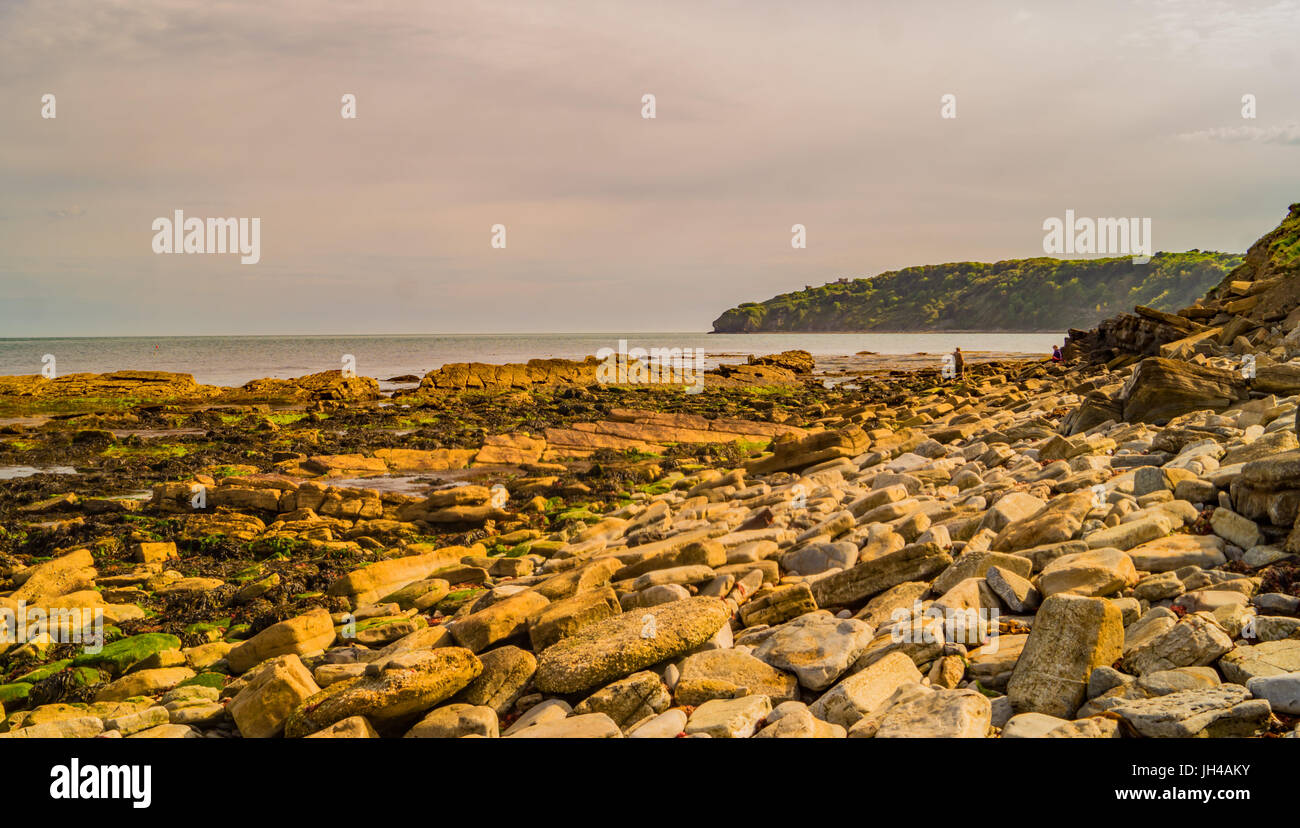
(1014,295)
(1237,344)
(1239,315)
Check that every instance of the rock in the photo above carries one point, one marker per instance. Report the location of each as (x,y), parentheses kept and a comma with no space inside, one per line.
(673,575)
(1177,551)
(1092,727)
(1197,639)
(144,683)
(124,654)
(1093,573)
(497,622)
(368,584)
(1235,529)
(46,581)
(977,565)
(353,727)
(262,707)
(506,672)
(1060,520)
(1281,691)
(569,615)
(654,596)
(403,685)
(1164,682)
(299,636)
(149,553)
(880,610)
(81,727)
(793,720)
(729,718)
(715,674)
(138,720)
(863,692)
(549,710)
(1160,389)
(779,605)
(1031,726)
(917,562)
(1128,535)
(943,714)
(619,646)
(630,700)
(818,648)
(667,725)
(816,558)
(510,449)
(1071,636)
(453,721)
(589,726)
(1158,587)
(1215,712)
(1019,595)
(1270,658)
(1274,628)
(167,731)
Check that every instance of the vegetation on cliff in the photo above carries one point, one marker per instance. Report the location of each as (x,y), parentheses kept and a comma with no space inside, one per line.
(1014,295)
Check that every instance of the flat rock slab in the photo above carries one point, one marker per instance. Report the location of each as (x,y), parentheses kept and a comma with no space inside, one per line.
(719,673)
(866,690)
(619,646)
(406,684)
(1196,640)
(943,714)
(729,718)
(1282,692)
(585,726)
(1190,713)
(917,562)
(817,647)
(1271,658)
(1177,551)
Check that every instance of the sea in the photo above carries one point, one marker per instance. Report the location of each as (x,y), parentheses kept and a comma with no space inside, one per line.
(234,360)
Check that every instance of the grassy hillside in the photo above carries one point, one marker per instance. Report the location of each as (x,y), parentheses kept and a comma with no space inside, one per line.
(1015,295)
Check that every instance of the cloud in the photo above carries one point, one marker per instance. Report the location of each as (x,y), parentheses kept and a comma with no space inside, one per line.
(67,212)
(1288,134)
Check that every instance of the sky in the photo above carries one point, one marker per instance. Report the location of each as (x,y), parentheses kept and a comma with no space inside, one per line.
(529,115)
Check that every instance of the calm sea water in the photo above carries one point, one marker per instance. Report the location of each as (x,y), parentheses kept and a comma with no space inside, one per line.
(234,360)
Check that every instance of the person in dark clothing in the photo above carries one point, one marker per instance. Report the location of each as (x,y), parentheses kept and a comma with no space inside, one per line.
(1056,354)
(958,363)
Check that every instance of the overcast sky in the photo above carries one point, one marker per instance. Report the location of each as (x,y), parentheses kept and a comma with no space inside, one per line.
(528,114)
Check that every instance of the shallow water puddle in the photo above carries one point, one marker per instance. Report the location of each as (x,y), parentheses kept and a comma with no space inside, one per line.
(16,472)
(155,433)
(407,484)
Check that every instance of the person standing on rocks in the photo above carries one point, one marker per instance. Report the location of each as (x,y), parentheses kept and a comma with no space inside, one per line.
(958,363)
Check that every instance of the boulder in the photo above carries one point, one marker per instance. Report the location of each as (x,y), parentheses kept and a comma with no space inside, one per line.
(1071,636)
(619,646)
(817,647)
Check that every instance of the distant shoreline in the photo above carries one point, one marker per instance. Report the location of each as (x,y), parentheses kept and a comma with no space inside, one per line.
(942,332)
(153,337)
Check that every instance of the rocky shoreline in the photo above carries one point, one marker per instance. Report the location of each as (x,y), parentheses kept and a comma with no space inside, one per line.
(1104,548)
